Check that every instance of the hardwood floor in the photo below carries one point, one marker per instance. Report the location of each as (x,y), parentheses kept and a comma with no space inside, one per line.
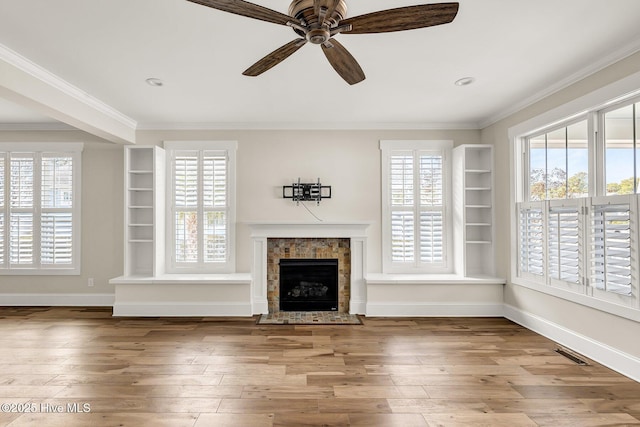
(59,362)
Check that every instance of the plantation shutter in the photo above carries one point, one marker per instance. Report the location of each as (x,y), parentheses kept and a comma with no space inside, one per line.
(215,204)
(56,220)
(417,208)
(201,207)
(402,240)
(402,207)
(611,249)
(186,206)
(564,230)
(531,236)
(39,208)
(431,178)
(21,207)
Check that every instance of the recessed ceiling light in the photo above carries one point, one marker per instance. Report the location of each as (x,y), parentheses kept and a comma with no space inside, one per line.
(465,81)
(152,81)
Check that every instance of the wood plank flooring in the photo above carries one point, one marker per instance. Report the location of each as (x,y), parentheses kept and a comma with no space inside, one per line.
(82,367)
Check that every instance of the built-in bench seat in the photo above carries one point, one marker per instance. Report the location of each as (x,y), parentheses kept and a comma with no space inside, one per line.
(433,295)
(225,294)
(222,278)
(426,279)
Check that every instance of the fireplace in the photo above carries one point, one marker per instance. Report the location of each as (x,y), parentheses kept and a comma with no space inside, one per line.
(308,284)
(308,250)
(273,241)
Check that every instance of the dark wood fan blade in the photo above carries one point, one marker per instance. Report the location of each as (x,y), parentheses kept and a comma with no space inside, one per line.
(250,10)
(402,18)
(342,61)
(274,58)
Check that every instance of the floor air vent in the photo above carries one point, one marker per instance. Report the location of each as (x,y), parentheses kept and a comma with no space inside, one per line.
(574,357)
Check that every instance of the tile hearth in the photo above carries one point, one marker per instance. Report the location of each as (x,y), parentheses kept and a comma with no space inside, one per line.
(309,318)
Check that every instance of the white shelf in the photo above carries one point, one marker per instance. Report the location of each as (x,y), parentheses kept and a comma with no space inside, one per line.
(144,210)
(473,214)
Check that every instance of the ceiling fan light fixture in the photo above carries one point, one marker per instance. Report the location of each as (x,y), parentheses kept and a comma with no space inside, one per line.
(318,21)
(155,82)
(465,81)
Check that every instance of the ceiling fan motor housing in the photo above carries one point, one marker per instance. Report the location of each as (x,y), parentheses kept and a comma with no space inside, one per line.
(317,32)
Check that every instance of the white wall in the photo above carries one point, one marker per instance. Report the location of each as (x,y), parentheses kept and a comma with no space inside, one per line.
(565,319)
(348,161)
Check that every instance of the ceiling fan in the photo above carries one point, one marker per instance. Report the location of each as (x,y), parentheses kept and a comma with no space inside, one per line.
(318,21)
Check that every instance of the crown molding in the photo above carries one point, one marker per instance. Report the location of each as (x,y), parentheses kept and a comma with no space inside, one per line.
(604,62)
(30,85)
(305,126)
(53,126)
(27,66)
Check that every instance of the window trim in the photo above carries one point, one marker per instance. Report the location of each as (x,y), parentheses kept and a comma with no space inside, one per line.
(230,148)
(623,90)
(445,147)
(73,149)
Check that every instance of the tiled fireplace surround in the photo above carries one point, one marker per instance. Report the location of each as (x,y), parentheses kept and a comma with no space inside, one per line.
(308,248)
(345,241)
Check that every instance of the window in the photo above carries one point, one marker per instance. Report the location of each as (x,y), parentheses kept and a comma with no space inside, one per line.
(577,206)
(415,194)
(202,205)
(40,208)
(558,163)
(622,145)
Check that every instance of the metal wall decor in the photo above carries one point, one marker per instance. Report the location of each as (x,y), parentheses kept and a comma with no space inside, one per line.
(304,192)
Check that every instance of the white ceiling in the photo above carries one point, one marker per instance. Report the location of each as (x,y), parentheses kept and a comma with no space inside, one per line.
(517,50)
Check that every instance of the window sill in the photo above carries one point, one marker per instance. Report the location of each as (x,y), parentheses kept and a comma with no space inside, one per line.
(627,312)
(431,279)
(205,279)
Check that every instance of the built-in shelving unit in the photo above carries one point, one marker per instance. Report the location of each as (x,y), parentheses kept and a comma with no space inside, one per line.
(473,213)
(145,288)
(144,216)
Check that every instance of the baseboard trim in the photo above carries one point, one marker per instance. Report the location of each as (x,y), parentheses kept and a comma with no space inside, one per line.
(434,310)
(357,307)
(610,357)
(183,309)
(57,300)
(260,307)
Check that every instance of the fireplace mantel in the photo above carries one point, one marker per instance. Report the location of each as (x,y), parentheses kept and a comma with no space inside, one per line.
(355,231)
(308,229)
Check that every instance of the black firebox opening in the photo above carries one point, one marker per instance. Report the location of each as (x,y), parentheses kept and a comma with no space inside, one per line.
(308,284)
